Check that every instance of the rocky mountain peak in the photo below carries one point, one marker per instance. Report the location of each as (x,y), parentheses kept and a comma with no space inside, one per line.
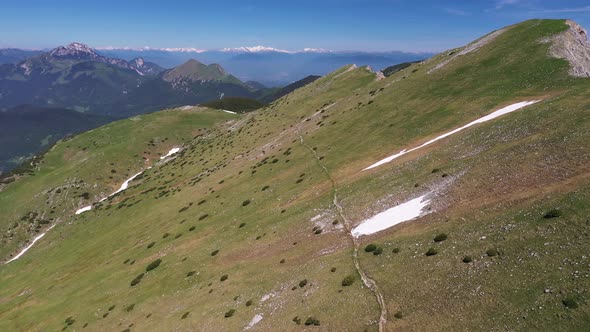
(74,49)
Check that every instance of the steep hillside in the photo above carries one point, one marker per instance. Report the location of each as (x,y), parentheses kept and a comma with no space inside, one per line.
(265,221)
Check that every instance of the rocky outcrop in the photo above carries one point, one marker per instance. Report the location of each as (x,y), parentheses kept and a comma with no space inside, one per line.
(573,46)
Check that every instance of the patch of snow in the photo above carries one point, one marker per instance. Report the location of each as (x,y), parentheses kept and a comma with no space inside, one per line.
(254,321)
(406,211)
(493,115)
(84,209)
(230,112)
(30,245)
(125,184)
(171,152)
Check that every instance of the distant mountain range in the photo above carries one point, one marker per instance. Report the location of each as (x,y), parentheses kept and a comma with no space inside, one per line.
(269,66)
(77,77)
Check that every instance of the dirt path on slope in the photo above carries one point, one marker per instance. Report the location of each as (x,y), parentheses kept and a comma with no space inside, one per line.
(370,283)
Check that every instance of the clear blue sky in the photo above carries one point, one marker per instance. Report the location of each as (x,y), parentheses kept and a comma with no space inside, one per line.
(370,25)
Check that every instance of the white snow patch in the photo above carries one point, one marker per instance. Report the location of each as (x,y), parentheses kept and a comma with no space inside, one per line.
(30,245)
(171,152)
(391,217)
(230,112)
(493,115)
(254,321)
(125,184)
(84,209)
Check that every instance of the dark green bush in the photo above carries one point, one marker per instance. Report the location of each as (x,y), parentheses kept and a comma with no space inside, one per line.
(297,320)
(312,321)
(191,273)
(230,313)
(223,277)
(165,235)
(431,252)
(302,283)
(70,320)
(153,265)
(130,307)
(395,250)
(282,261)
(214,252)
(136,280)
(398,315)
(203,216)
(371,247)
(570,303)
(265,187)
(192,228)
(467,259)
(333,269)
(151,245)
(185,315)
(378,251)
(440,237)
(492,252)
(112,307)
(246,202)
(348,280)
(553,213)
(248,303)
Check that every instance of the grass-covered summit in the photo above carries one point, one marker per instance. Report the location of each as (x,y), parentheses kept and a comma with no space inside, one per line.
(248,226)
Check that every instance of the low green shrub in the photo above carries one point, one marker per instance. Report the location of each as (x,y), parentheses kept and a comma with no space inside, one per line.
(214,252)
(553,213)
(130,307)
(467,259)
(230,313)
(242,225)
(302,283)
(70,320)
(151,245)
(431,252)
(137,279)
(153,265)
(246,202)
(371,247)
(395,250)
(192,228)
(378,251)
(440,237)
(492,252)
(348,280)
(312,321)
(398,315)
(297,320)
(112,307)
(191,273)
(185,315)
(223,277)
(248,303)
(570,303)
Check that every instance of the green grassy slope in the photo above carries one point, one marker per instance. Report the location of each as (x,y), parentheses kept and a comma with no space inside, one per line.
(246,211)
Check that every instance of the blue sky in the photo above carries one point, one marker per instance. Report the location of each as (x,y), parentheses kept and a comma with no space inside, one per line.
(369,25)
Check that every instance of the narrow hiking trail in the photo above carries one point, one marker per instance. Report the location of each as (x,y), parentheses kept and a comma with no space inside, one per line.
(367,281)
